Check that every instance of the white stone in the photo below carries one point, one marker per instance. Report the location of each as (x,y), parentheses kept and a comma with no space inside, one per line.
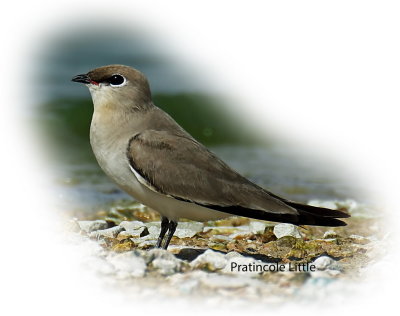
(108,233)
(133,233)
(282,230)
(165,267)
(257,227)
(154,229)
(210,260)
(90,226)
(188,229)
(125,235)
(163,261)
(323,262)
(133,225)
(147,244)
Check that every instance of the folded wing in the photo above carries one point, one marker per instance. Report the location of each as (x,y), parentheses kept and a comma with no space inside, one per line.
(182,168)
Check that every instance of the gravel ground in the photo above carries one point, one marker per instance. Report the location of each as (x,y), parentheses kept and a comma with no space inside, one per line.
(237,258)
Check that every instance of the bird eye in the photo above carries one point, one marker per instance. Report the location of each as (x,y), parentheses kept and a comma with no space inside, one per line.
(116,80)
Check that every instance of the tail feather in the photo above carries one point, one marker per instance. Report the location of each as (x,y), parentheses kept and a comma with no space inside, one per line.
(305,218)
(318,211)
(307,215)
(317,216)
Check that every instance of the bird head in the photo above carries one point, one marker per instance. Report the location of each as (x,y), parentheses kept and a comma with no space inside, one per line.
(116,85)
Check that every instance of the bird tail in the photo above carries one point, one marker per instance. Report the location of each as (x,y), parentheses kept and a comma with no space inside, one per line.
(307,214)
(317,216)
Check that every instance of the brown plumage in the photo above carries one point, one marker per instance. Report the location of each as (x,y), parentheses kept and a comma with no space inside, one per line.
(159,156)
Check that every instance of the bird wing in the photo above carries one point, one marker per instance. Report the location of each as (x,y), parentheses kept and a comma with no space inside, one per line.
(182,168)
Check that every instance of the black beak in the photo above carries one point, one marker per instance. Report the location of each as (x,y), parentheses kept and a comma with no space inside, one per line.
(82,79)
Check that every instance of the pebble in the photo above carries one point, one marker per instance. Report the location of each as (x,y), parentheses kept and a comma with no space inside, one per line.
(188,229)
(128,264)
(330,234)
(106,233)
(163,261)
(282,230)
(133,233)
(209,260)
(257,227)
(133,225)
(165,267)
(154,229)
(90,226)
(325,262)
(184,229)
(251,246)
(143,243)
(211,271)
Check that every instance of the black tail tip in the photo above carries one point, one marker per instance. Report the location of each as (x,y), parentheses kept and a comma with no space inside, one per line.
(333,222)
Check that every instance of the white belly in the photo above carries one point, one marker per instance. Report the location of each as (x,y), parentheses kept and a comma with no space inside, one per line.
(111,157)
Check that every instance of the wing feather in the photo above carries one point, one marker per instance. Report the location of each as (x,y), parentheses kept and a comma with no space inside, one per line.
(179,166)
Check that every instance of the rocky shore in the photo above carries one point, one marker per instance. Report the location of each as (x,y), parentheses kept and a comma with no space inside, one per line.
(235,257)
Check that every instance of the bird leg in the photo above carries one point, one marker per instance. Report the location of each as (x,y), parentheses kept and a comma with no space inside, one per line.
(164,228)
(171,230)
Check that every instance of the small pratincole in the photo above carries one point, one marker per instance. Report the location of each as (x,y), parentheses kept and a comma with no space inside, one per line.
(145,152)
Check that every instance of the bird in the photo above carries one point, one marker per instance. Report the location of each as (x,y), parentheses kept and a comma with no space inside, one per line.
(152,158)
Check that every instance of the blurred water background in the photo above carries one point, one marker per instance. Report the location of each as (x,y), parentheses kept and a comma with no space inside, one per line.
(62,110)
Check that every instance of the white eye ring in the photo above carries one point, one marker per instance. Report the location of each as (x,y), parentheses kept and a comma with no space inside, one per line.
(117,80)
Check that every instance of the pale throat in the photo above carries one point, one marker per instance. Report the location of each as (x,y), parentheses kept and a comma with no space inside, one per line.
(101,95)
